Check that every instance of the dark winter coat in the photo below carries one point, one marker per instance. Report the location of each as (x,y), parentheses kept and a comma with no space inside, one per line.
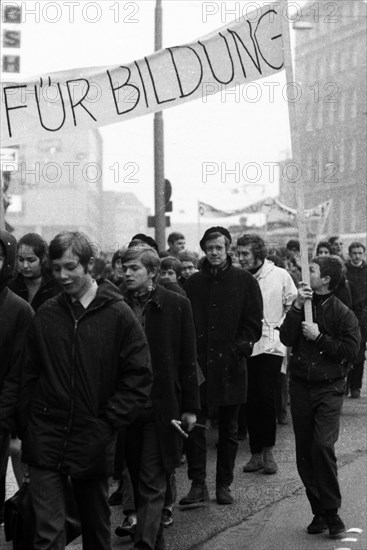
(329,357)
(48,289)
(15,318)
(170,332)
(82,381)
(228,311)
(358,278)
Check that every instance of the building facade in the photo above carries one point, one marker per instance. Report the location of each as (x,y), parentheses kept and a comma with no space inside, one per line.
(123,216)
(58,186)
(330,70)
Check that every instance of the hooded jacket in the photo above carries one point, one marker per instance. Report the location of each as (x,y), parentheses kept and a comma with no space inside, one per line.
(15,317)
(83,379)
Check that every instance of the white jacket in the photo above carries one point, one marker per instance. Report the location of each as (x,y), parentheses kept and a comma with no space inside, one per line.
(278,291)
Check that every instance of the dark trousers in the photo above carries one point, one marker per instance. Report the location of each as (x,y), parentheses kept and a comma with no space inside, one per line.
(4,455)
(281,396)
(227,447)
(355,374)
(262,373)
(316,414)
(148,477)
(49,497)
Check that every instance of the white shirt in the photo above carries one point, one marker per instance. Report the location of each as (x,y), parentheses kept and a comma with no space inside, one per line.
(88,296)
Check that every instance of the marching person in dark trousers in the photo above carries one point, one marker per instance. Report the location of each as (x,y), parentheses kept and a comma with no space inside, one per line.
(322,351)
(357,275)
(87,374)
(278,292)
(227,308)
(15,318)
(153,444)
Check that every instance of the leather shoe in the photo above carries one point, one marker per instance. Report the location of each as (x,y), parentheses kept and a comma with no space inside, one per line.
(317,525)
(197,496)
(270,466)
(223,494)
(335,524)
(254,464)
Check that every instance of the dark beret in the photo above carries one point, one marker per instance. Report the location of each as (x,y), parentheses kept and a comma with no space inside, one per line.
(218,229)
(146,239)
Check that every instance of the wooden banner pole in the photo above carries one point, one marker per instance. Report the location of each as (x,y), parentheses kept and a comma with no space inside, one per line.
(296,155)
(2,210)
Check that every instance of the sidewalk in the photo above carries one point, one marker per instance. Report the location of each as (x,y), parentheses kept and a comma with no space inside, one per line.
(273,504)
(282,524)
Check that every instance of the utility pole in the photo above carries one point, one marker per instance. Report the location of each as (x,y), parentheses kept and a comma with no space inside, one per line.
(159,204)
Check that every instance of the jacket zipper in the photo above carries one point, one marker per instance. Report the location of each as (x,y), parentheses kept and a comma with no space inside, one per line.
(71,410)
(73,368)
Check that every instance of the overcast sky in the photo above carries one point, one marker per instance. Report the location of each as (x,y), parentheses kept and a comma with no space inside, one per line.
(225,132)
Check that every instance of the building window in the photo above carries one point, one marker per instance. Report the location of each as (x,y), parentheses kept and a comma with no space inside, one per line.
(355,8)
(354,105)
(355,56)
(322,67)
(332,62)
(352,213)
(341,155)
(342,216)
(343,60)
(342,108)
(353,155)
(319,109)
(320,158)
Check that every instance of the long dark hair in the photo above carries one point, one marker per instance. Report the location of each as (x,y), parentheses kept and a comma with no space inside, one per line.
(40,249)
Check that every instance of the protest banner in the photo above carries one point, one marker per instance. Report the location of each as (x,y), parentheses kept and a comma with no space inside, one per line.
(245,50)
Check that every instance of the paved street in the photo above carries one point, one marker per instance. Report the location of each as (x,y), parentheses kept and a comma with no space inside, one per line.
(270,512)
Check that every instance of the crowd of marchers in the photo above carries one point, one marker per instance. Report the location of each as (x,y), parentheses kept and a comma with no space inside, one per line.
(116,370)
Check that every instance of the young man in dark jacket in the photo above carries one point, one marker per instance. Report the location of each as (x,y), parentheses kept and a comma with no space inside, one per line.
(153,443)
(86,375)
(227,308)
(322,351)
(15,318)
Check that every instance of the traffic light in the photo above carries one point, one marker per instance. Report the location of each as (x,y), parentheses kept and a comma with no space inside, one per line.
(167,205)
(167,196)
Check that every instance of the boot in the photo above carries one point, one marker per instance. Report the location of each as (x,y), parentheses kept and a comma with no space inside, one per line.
(254,464)
(223,495)
(197,496)
(270,466)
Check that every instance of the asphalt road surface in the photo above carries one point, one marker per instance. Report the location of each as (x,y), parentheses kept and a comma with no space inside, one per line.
(270,512)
